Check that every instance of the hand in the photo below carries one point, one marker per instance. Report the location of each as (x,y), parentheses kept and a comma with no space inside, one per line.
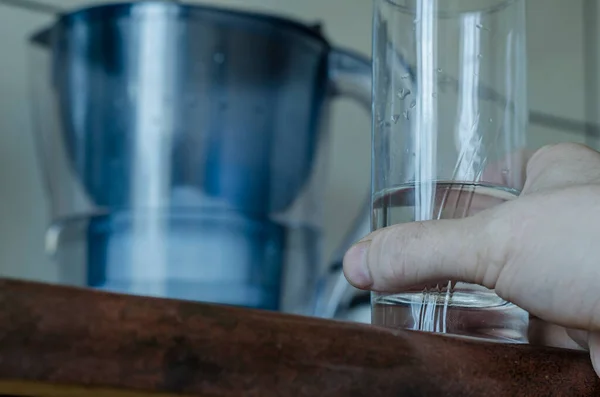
(540,251)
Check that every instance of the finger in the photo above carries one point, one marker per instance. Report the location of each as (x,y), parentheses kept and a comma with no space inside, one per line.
(399,256)
(594,344)
(542,333)
(505,248)
(580,337)
(562,166)
(509,171)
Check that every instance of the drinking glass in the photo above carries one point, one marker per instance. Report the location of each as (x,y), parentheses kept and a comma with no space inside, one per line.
(449,124)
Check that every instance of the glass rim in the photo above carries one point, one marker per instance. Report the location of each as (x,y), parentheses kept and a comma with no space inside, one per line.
(497,7)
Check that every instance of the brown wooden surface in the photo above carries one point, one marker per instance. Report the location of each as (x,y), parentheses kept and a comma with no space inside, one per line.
(57,341)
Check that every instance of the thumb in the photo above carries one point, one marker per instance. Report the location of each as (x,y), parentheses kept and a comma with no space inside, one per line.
(406,255)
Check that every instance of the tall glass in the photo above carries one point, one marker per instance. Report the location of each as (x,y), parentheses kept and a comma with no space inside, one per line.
(449,125)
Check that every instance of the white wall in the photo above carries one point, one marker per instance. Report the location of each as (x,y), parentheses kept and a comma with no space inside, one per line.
(555,81)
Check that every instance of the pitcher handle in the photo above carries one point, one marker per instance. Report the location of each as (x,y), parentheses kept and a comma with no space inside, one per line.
(350,75)
(333,291)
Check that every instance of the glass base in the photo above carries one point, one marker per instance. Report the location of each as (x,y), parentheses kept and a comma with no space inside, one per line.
(473,313)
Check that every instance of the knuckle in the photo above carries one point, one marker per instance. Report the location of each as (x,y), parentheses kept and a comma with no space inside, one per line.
(542,158)
(494,251)
(554,165)
(539,161)
(549,154)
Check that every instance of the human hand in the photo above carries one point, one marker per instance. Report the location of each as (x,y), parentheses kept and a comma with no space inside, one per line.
(539,251)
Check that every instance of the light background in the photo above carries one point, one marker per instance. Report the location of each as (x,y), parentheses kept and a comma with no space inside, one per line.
(563,86)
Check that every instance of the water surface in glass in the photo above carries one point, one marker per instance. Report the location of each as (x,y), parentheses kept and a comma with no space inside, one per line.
(450,115)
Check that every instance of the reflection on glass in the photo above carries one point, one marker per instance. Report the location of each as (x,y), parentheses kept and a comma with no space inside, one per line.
(455,71)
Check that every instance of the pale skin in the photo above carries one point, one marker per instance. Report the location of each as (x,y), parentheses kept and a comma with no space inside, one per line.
(540,251)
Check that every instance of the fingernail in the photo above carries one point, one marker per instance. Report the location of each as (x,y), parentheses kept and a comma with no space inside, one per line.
(356,266)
